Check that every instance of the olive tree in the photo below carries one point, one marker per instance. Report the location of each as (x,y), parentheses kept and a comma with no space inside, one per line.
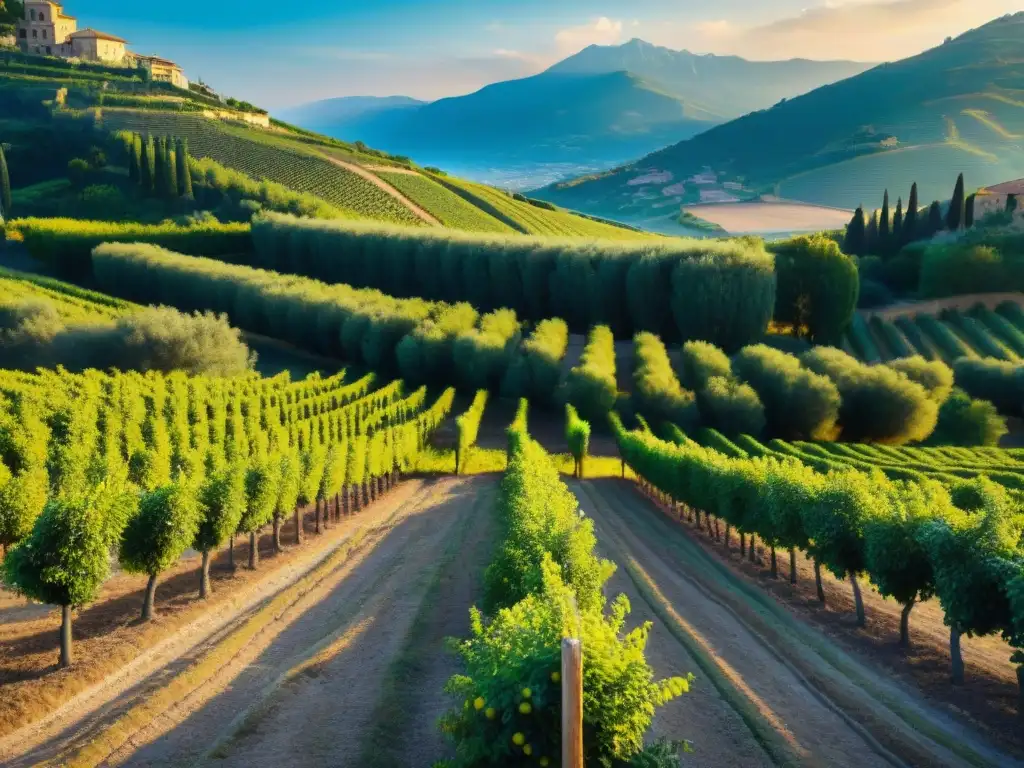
(312,473)
(158,534)
(223,502)
(287,492)
(261,482)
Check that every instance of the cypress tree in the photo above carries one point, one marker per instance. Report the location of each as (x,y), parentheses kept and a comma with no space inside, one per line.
(969,211)
(910,218)
(935,220)
(159,172)
(883,225)
(856,233)
(133,161)
(897,226)
(171,181)
(146,168)
(957,207)
(5,187)
(184,173)
(871,238)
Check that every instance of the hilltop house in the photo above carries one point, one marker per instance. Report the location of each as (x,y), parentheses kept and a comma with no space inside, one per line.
(1001,197)
(47,31)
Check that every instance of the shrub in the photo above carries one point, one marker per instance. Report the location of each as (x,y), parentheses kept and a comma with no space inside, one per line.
(873,295)
(657,392)
(537,367)
(935,376)
(818,286)
(963,421)
(799,404)
(998,381)
(878,403)
(703,361)
(591,385)
(577,435)
(731,407)
(949,269)
(468,425)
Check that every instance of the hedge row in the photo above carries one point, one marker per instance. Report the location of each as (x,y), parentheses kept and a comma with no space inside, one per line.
(65,245)
(468,425)
(657,392)
(591,385)
(998,381)
(722,291)
(536,369)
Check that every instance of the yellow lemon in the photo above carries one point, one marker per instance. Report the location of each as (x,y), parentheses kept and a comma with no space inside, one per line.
(525,708)
(556,677)
(491,714)
(518,739)
(545,762)
(527,693)
(479,703)
(527,750)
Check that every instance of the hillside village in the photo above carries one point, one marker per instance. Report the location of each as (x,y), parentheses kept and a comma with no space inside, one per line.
(46,30)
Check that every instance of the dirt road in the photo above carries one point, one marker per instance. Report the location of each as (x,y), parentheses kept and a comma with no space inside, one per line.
(311,676)
(769,688)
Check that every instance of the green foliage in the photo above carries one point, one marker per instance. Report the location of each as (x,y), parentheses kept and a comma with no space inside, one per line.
(443,204)
(963,421)
(65,245)
(78,173)
(702,362)
(934,375)
(166,525)
(798,403)
(262,479)
(222,500)
(818,287)
(482,355)
(956,215)
(468,425)
(578,281)
(958,267)
(5,188)
(1000,382)
(577,435)
(731,407)
(878,403)
(657,393)
(591,385)
(536,368)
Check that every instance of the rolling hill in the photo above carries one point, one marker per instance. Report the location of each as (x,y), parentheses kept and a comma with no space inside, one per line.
(955,108)
(603,106)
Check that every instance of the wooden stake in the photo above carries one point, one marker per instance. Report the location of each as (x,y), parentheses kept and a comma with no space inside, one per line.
(572,704)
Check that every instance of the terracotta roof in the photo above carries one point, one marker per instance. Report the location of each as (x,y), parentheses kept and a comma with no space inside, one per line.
(98,35)
(158,60)
(1007,188)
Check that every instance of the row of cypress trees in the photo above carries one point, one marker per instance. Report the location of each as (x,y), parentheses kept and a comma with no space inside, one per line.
(885,232)
(5,187)
(160,167)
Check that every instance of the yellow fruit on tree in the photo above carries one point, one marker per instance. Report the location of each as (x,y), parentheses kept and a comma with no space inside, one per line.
(527,750)
(518,739)
(525,708)
(490,713)
(527,693)
(479,703)
(545,762)
(556,676)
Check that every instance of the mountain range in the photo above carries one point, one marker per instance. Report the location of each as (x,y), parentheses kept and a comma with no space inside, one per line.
(958,107)
(603,106)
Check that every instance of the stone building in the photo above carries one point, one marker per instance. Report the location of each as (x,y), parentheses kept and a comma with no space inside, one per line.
(48,31)
(164,70)
(1001,197)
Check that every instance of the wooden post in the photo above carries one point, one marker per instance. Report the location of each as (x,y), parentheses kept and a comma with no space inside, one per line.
(572,704)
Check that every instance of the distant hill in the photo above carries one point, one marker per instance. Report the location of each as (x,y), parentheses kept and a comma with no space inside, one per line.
(956,108)
(603,106)
(319,115)
(727,86)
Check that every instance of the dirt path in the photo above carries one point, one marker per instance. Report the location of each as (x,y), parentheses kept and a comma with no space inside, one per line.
(359,170)
(344,616)
(800,695)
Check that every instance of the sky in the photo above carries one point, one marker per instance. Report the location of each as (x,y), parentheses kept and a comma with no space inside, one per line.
(279,54)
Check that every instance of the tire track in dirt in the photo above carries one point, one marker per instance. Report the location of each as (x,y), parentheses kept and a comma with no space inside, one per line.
(815,732)
(889,719)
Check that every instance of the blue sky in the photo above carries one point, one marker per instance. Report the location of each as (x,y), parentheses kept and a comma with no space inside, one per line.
(279,54)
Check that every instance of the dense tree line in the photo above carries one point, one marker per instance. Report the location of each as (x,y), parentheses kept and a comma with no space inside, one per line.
(159,166)
(912,539)
(151,465)
(722,291)
(536,368)
(591,385)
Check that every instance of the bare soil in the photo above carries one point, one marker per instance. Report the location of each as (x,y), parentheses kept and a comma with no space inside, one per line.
(742,218)
(302,674)
(831,707)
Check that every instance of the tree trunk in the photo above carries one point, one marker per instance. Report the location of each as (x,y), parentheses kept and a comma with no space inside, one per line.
(458,463)
(696,517)
(817,581)
(743,545)
(66,657)
(775,564)
(623,469)
(1020,689)
(347,501)
(319,517)
(231,552)
(905,624)
(753,547)
(204,577)
(792,565)
(300,533)
(955,656)
(254,550)
(148,611)
(337,507)
(277,534)
(858,600)
(718,531)
(728,536)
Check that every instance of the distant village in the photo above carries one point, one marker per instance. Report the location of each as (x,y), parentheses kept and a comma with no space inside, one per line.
(47,31)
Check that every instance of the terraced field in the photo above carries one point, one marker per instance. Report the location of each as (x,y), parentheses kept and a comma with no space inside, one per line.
(533,220)
(265,156)
(443,204)
(72,303)
(977,332)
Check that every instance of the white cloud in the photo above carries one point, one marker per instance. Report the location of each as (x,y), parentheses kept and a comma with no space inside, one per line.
(600,31)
